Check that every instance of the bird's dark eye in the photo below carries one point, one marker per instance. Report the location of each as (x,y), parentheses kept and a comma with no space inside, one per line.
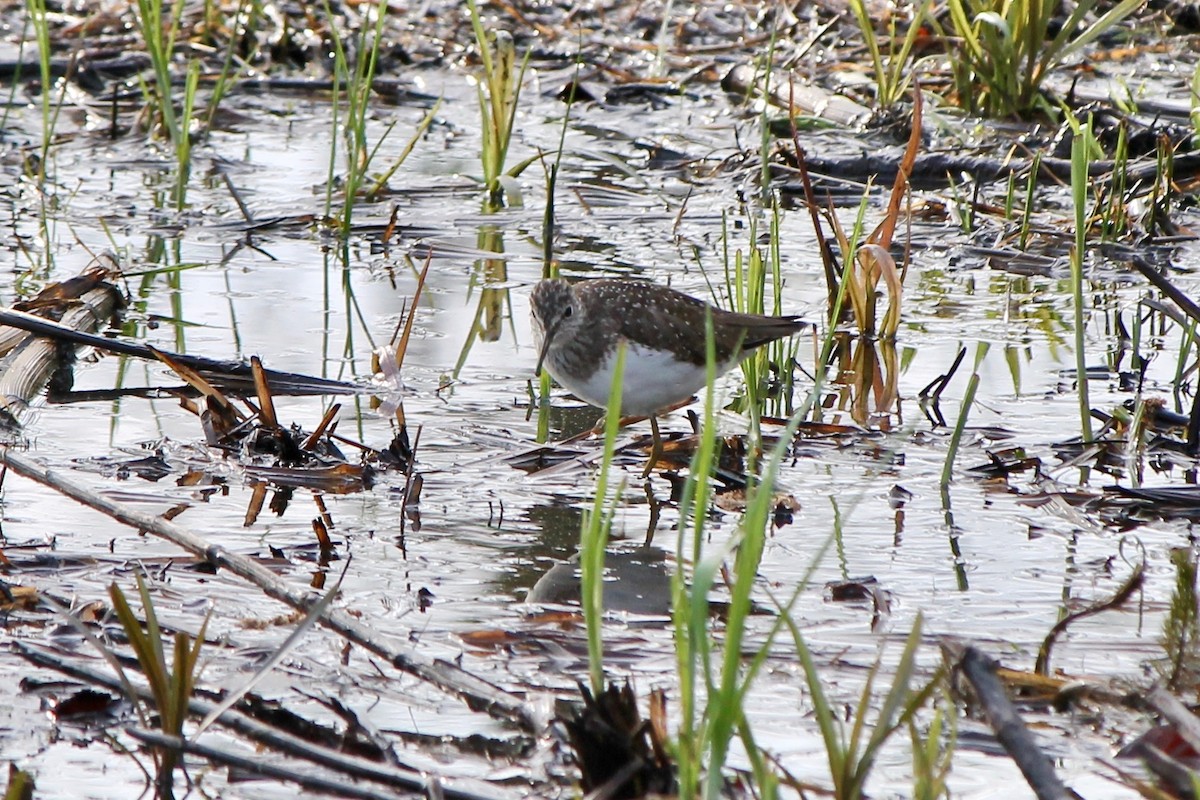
(568,311)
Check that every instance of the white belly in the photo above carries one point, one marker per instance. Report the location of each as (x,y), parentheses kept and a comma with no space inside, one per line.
(652,381)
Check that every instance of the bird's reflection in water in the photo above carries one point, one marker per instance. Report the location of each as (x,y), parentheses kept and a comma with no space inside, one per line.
(636,582)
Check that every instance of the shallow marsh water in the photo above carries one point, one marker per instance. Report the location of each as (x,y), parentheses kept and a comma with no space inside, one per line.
(984,567)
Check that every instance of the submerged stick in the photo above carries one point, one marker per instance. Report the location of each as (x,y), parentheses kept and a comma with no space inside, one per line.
(477,693)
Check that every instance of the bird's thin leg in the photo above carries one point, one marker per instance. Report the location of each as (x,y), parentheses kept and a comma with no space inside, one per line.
(656,449)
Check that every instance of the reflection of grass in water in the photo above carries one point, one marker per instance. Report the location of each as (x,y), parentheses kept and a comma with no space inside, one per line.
(338,260)
(490,311)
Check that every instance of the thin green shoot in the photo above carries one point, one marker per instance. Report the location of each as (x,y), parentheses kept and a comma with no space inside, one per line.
(1194,115)
(1079,186)
(1135,440)
(549,267)
(548,223)
(220,86)
(727,692)
(594,535)
(964,207)
(1027,212)
(1004,52)
(170,685)
(1187,343)
(705,734)
(662,42)
(690,606)
(50,108)
(15,81)
(1115,217)
(41,29)
(782,352)
(21,785)
(1162,190)
(160,47)
(981,351)
(933,752)
(1181,628)
(183,143)
(1010,192)
(747,289)
(499,93)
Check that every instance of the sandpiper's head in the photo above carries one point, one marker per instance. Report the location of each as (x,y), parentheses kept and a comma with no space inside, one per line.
(556,313)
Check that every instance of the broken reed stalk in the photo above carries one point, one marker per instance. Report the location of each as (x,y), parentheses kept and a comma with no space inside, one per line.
(402,345)
(477,693)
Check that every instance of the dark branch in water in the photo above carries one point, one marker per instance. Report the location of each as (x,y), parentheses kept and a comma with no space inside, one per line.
(228,375)
(1010,729)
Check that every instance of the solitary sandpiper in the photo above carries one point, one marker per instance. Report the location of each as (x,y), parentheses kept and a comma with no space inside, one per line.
(578,328)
